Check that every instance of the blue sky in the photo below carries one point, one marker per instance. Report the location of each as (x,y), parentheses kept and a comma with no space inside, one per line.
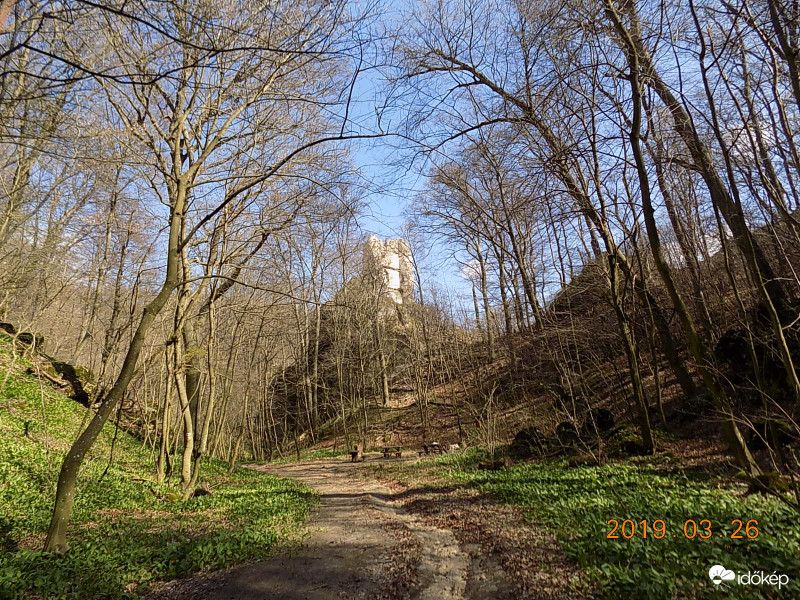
(388,181)
(388,196)
(389,199)
(390,191)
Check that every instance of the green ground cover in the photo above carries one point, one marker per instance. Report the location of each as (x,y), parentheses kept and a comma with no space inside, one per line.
(125,532)
(577,502)
(307,454)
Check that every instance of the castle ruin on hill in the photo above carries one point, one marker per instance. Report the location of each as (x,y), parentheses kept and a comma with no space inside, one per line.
(390,261)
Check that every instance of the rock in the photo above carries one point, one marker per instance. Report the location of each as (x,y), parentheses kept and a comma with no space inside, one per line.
(85,375)
(745,357)
(626,440)
(34,340)
(496,465)
(527,442)
(567,433)
(390,261)
(769,482)
(79,385)
(632,448)
(770,431)
(732,348)
(597,421)
(583,460)
(686,412)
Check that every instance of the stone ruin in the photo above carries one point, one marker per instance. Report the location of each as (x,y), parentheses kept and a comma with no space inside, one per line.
(390,262)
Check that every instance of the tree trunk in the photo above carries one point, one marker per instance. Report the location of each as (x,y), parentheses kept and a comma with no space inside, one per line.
(730,429)
(487,312)
(68,477)
(632,354)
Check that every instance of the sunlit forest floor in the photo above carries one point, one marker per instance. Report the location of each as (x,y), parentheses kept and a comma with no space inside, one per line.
(639,527)
(127,531)
(548,522)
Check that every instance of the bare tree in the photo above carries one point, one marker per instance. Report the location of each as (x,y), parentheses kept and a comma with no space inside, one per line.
(217,120)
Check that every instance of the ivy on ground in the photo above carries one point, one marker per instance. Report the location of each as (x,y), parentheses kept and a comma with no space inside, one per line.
(576,503)
(124,533)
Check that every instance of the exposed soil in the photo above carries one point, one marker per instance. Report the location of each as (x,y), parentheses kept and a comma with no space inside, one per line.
(363,544)
(510,556)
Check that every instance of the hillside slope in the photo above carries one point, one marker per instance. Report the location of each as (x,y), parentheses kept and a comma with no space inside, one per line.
(127,531)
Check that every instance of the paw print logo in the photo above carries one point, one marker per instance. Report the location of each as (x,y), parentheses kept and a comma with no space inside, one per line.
(718,574)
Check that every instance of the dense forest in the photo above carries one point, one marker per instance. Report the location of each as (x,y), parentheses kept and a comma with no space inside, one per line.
(606,236)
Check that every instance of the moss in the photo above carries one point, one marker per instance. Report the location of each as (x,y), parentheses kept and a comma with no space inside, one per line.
(85,375)
(769,482)
(583,460)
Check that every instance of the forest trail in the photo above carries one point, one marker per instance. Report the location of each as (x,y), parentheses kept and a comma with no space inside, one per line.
(363,545)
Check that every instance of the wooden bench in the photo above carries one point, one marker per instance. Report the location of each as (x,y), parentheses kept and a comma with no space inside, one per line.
(357,454)
(433,448)
(392,451)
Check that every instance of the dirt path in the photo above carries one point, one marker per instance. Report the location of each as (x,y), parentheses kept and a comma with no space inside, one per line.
(363,545)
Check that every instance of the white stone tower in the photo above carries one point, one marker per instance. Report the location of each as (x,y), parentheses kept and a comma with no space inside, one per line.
(390,261)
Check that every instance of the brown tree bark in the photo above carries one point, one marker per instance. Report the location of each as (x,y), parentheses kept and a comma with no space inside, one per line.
(68,477)
(735,441)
